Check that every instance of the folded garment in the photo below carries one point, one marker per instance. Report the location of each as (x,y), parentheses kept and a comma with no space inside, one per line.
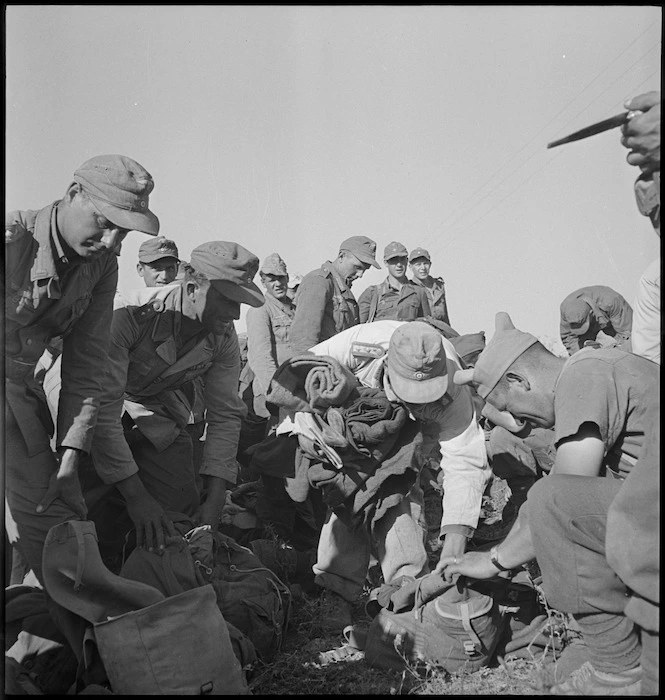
(364,489)
(370,422)
(311,383)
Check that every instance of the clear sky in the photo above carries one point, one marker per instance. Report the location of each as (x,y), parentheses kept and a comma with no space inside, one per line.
(290,128)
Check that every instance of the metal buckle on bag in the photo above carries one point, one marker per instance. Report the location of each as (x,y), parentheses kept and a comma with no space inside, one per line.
(469,648)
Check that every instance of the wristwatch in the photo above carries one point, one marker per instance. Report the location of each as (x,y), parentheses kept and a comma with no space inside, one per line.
(494,558)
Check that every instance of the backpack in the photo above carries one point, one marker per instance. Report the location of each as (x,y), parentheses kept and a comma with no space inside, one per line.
(254,602)
(250,596)
(427,621)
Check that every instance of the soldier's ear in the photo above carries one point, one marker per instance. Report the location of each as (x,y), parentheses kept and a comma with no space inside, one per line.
(191,288)
(72,191)
(518,379)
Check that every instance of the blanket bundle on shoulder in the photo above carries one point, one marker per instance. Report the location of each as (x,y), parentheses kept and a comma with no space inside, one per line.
(354,444)
(311,383)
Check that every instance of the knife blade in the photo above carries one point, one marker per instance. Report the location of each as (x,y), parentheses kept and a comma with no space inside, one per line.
(593,129)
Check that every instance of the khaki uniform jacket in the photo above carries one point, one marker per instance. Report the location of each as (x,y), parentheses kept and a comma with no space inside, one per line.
(48,296)
(268,344)
(147,373)
(613,314)
(436,295)
(324,306)
(383,302)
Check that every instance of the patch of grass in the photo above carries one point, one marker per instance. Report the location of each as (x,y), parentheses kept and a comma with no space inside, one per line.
(303,668)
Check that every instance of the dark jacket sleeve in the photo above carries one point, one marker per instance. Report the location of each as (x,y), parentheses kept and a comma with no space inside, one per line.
(365,303)
(84,358)
(619,313)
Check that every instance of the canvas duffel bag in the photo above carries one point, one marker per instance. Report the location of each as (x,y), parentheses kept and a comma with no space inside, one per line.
(459,628)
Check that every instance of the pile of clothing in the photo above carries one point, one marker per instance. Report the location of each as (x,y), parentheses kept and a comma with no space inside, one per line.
(354,444)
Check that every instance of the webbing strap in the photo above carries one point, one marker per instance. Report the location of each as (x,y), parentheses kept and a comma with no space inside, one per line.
(466,621)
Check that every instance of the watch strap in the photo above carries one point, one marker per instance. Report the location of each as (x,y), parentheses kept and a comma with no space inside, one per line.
(494,558)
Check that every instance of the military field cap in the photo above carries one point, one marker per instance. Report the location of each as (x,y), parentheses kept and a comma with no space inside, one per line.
(362,247)
(156,249)
(578,315)
(419,253)
(119,187)
(230,269)
(506,346)
(395,250)
(469,343)
(274,265)
(416,363)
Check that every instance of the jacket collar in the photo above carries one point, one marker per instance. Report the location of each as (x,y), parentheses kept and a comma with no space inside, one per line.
(45,233)
(328,267)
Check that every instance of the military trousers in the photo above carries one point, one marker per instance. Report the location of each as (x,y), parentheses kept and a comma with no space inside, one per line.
(397,541)
(567,515)
(28,470)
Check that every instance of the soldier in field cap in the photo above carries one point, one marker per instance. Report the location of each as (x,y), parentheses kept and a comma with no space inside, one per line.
(420,263)
(325,304)
(414,364)
(269,328)
(396,297)
(61,277)
(601,404)
(162,338)
(158,261)
(596,316)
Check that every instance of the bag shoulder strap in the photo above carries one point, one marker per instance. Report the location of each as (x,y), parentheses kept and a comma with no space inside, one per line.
(374,304)
(475,639)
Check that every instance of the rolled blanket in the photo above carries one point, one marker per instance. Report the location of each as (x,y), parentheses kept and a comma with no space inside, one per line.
(311,383)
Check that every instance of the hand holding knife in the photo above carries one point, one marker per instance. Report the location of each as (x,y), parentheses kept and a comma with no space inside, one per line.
(598,128)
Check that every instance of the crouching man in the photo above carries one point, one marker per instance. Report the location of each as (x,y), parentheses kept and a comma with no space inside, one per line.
(413,363)
(604,406)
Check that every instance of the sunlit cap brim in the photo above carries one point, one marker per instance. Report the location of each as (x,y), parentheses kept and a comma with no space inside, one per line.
(247,293)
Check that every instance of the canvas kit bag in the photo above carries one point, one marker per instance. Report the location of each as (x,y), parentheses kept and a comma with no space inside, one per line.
(149,644)
(428,621)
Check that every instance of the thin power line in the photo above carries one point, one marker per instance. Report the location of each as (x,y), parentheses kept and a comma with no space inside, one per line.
(529,177)
(461,214)
(461,209)
(613,82)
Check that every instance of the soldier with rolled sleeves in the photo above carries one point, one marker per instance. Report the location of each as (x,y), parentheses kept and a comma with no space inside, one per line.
(603,406)
(268,329)
(595,316)
(61,277)
(158,261)
(420,263)
(158,265)
(396,297)
(325,304)
(161,339)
